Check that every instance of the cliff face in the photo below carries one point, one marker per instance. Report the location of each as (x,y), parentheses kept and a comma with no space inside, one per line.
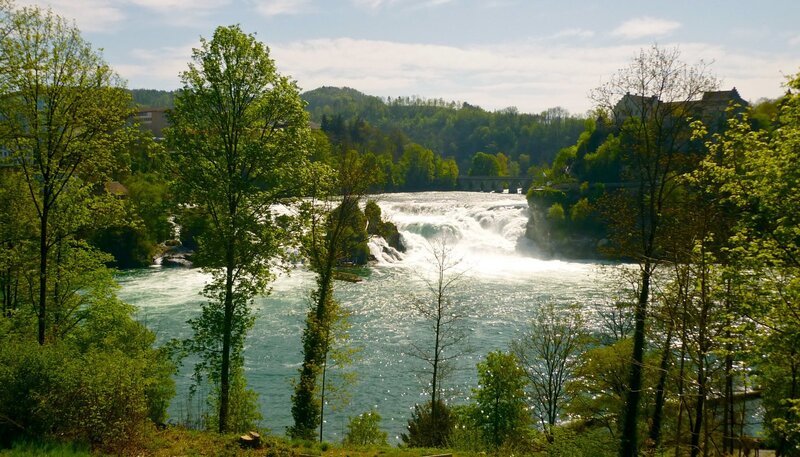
(557,240)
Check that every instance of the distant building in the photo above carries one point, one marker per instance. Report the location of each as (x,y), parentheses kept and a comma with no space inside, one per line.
(710,108)
(153,120)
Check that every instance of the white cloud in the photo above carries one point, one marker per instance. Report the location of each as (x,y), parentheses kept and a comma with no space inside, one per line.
(89,15)
(794,40)
(155,68)
(533,76)
(181,6)
(271,8)
(183,13)
(574,32)
(645,27)
(411,4)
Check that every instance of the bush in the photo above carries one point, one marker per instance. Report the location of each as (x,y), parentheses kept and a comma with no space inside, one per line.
(364,430)
(556,213)
(99,397)
(102,383)
(501,411)
(421,431)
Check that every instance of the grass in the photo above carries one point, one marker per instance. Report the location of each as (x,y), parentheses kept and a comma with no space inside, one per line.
(176,441)
(38,449)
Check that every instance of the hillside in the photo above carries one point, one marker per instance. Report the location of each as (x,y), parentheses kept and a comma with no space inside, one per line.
(457,130)
(452,129)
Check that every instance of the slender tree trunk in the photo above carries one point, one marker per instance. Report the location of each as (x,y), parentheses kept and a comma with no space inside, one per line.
(701,361)
(227,328)
(629,447)
(655,427)
(435,378)
(43,252)
(730,417)
(322,397)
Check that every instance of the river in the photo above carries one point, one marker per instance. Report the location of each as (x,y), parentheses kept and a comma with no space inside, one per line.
(503,282)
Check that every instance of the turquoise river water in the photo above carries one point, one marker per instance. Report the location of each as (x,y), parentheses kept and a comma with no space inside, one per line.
(503,282)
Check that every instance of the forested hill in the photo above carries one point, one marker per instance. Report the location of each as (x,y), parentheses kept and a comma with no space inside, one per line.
(452,129)
(153,98)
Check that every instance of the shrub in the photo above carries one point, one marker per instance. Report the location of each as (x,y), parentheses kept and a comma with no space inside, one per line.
(365,430)
(556,213)
(501,411)
(422,433)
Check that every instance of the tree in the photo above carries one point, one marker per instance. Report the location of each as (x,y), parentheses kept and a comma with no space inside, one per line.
(443,316)
(756,173)
(484,164)
(548,352)
(364,430)
(418,165)
(238,138)
(62,113)
(652,101)
(500,397)
(328,243)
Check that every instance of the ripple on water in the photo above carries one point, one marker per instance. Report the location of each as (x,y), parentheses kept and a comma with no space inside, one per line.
(499,291)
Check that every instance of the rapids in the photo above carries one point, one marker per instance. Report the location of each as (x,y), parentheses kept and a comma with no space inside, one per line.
(502,283)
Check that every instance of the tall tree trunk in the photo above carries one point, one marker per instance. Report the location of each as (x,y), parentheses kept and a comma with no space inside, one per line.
(435,377)
(43,252)
(729,413)
(629,447)
(658,411)
(227,328)
(701,358)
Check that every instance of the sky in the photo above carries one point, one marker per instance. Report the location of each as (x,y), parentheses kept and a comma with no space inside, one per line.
(530,54)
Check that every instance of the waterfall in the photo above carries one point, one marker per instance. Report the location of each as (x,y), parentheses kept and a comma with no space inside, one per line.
(485,230)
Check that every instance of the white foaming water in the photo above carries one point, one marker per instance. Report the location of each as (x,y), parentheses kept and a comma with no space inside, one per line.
(504,283)
(485,231)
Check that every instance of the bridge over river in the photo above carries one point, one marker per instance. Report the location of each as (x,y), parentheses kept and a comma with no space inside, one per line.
(521,184)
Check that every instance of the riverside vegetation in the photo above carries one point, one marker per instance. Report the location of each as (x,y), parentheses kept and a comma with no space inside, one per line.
(708,214)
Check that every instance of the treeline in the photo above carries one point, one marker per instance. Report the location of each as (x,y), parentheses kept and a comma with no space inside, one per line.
(453,130)
(153,98)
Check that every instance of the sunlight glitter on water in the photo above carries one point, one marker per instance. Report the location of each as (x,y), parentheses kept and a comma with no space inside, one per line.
(502,285)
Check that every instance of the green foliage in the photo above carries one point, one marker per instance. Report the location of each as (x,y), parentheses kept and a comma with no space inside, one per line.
(153,98)
(466,435)
(418,167)
(501,411)
(546,196)
(130,246)
(484,164)
(385,229)
(572,442)
(243,413)
(238,138)
(104,389)
(555,213)
(421,429)
(597,391)
(61,125)
(364,430)
(354,237)
(457,130)
(39,449)
(580,212)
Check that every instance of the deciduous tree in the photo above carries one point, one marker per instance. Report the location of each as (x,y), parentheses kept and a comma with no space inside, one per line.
(239,147)
(652,100)
(62,113)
